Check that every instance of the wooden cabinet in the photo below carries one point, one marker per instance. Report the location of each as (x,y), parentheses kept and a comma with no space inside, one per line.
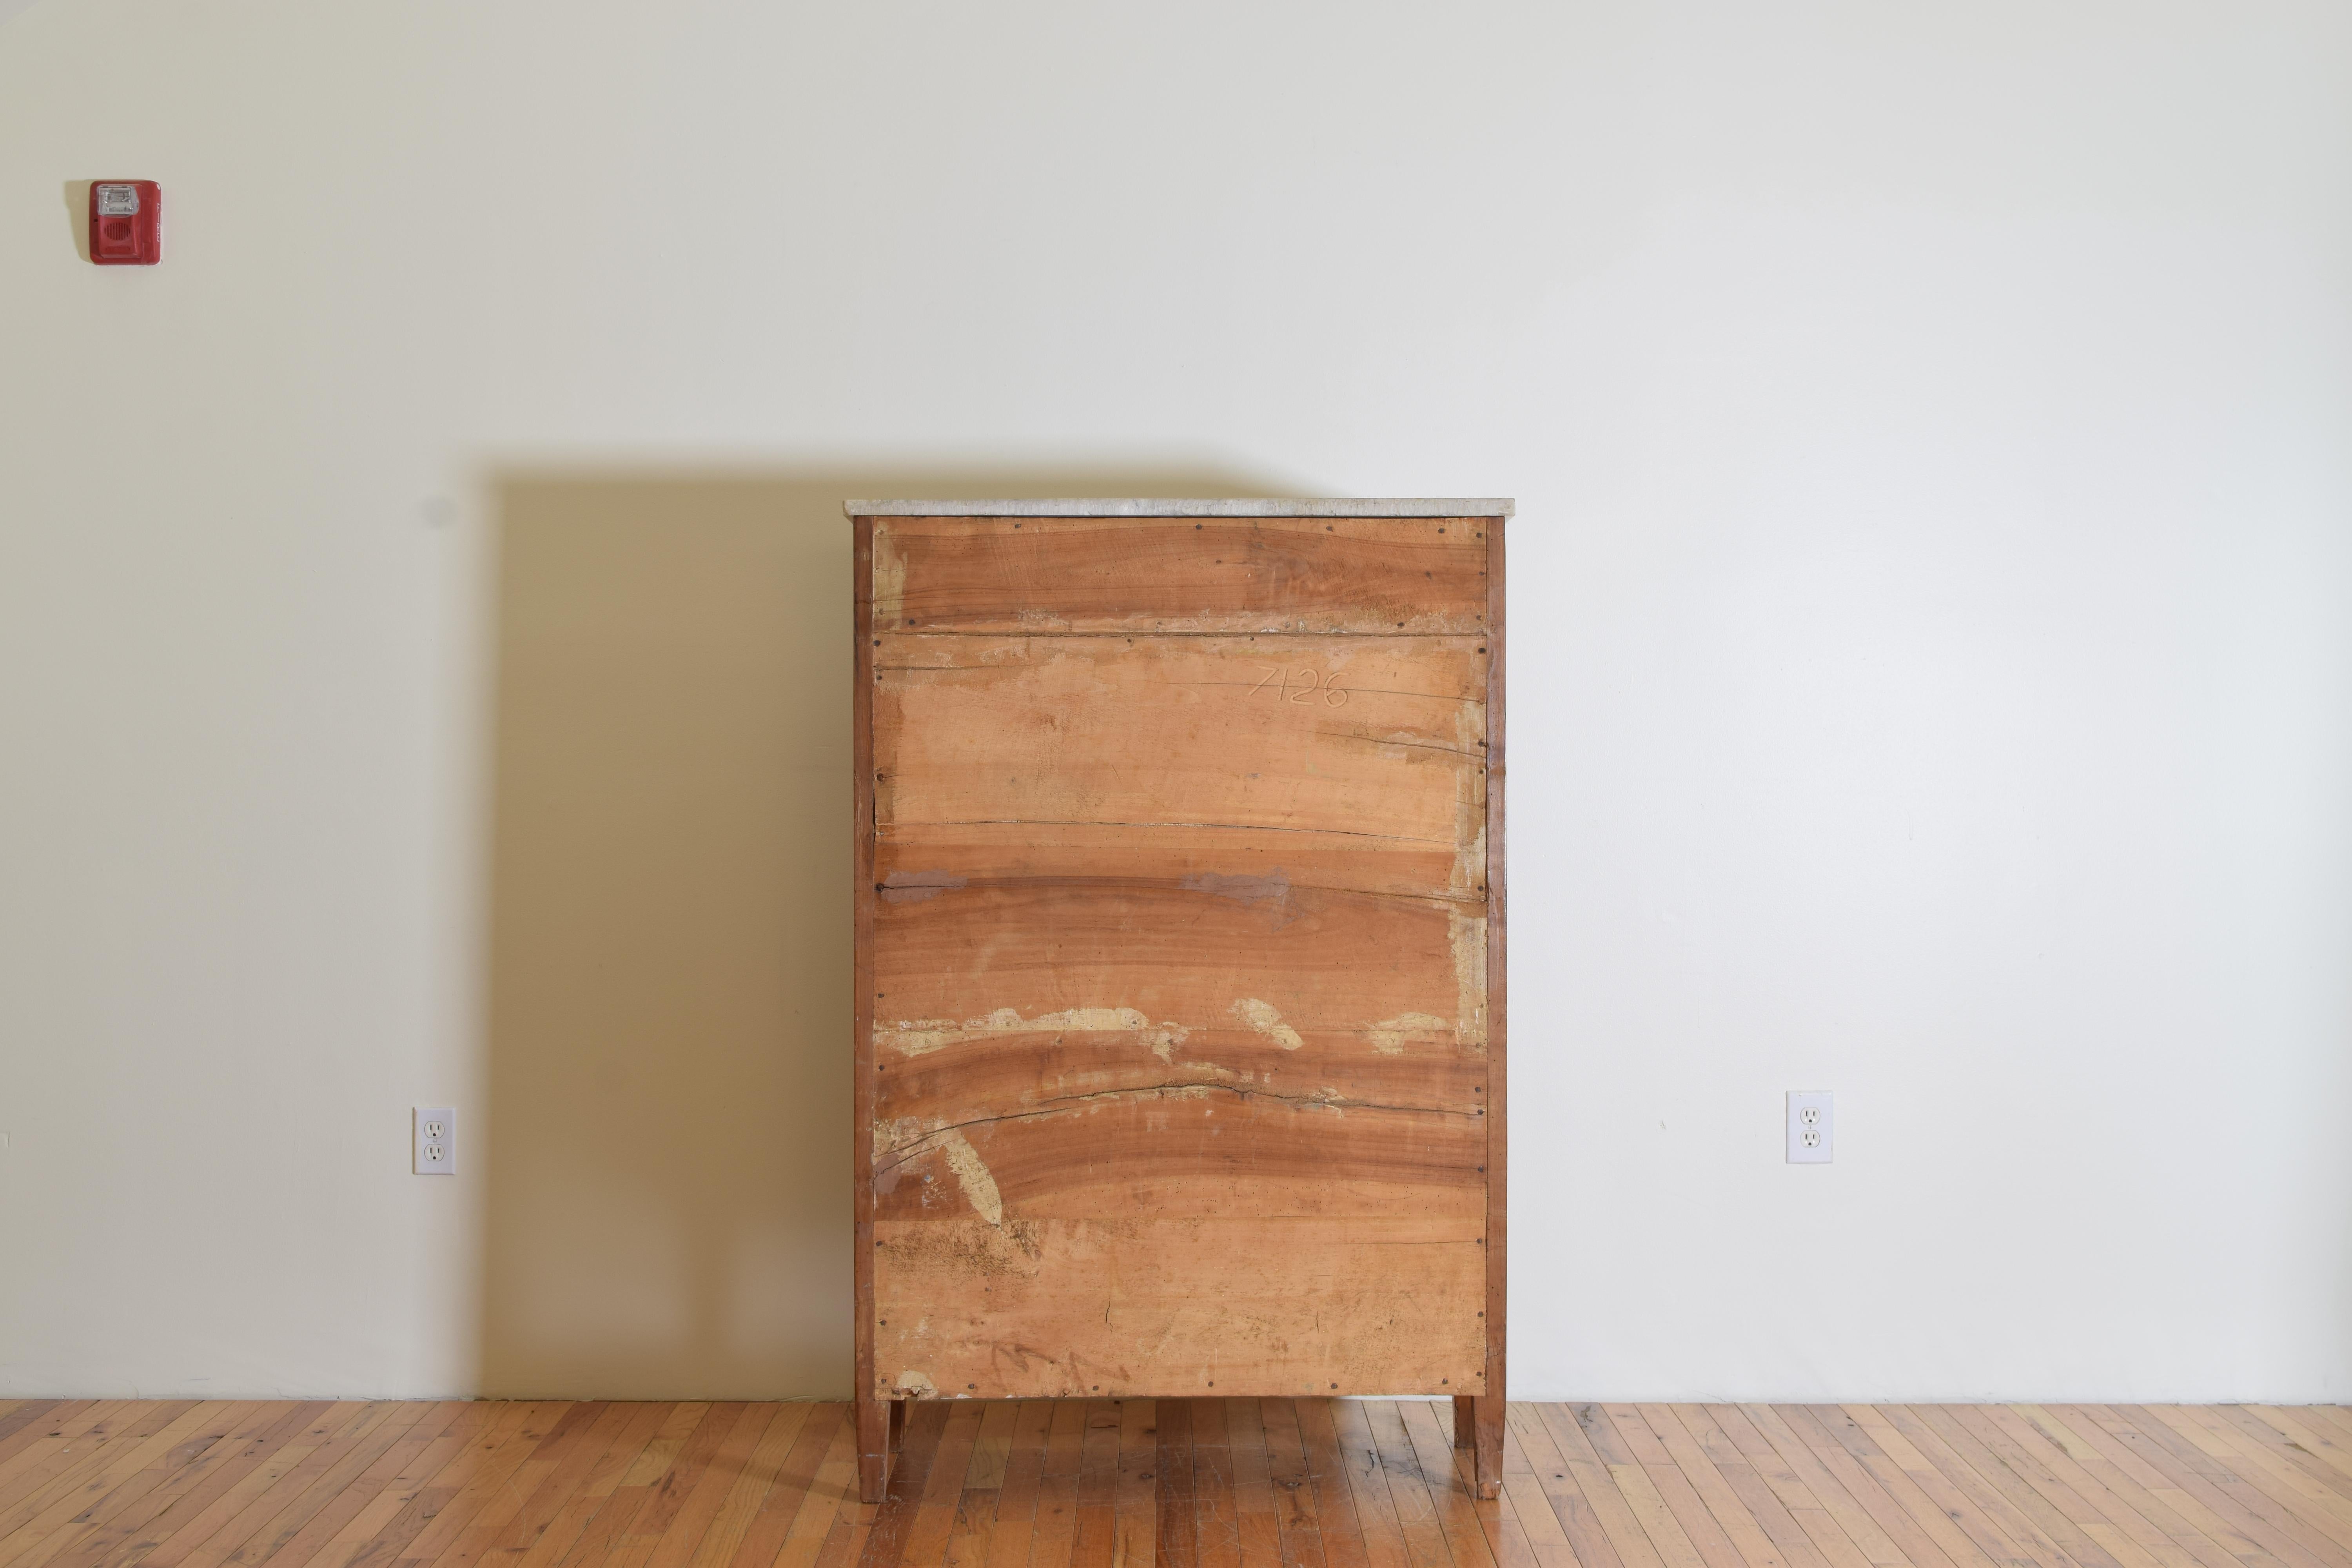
(1180,954)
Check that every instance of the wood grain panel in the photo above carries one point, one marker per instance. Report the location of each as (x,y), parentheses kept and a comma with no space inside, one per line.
(1060,1307)
(1046,1072)
(1381,736)
(1239,574)
(1193,1145)
(1252,865)
(1138,957)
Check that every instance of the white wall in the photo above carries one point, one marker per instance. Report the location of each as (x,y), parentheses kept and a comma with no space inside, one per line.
(1931,605)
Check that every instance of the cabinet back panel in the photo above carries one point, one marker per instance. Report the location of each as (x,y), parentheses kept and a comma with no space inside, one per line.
(1178,1056)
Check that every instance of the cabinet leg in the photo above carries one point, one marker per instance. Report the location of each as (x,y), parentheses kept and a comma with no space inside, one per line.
(879,1422)
(1478,1426)
(1490,1445)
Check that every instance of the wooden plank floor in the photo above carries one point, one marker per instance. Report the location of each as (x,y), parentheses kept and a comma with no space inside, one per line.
(1239,1483)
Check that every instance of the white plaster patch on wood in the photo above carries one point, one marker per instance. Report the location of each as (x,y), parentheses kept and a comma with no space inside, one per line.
(915,1037)
(894,1134)
(1468,878)
(918,1385)
(1088,1018)
(1470,803)
(1270,888)
(1389,1035)
(1466,934)
(1262,1017)
(973,1176)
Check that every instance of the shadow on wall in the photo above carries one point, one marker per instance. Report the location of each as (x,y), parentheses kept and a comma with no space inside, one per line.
(668,1184)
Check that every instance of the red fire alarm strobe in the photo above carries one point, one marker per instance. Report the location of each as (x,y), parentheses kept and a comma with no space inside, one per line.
(126,223)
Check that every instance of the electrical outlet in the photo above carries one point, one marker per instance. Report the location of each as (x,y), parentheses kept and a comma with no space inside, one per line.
(437,1140)
(1812,1126)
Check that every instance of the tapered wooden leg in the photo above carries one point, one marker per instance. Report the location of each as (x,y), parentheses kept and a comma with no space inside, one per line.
(1478,1426)
(878,1421)
(1490,1445)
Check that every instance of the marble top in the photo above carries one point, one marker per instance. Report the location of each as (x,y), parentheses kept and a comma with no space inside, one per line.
(1133,507)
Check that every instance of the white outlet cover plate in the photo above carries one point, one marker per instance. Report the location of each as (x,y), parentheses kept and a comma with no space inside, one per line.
(1812,1126)
(437,1155)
